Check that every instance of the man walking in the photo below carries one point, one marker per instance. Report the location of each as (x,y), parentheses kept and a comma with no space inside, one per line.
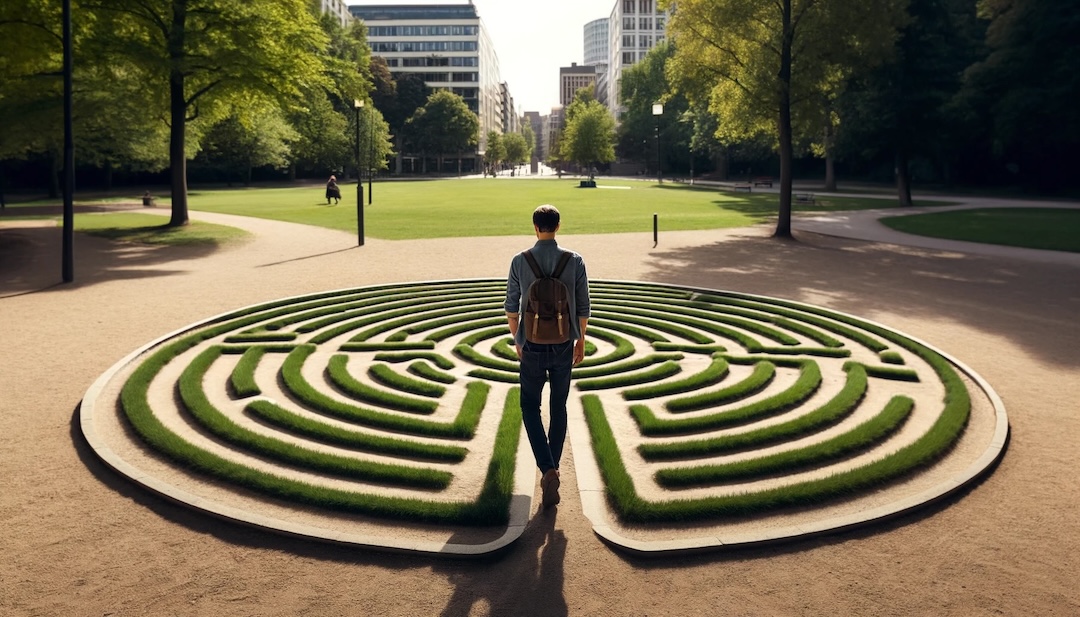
(547,362)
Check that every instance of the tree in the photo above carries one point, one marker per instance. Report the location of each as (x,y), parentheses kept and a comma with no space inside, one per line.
(762,59)
(902,108)
(530,140)
(589,137)
(249,139)
(201,58)
(444,125)
(1026,89)
(643,85)
(495,152)
(517,148)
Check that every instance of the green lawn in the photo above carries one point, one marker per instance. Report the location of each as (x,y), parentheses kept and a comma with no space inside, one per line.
(151,229)
(496,207)
(1052,229)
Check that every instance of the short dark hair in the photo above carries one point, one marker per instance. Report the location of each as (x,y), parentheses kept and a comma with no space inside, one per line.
(546,218)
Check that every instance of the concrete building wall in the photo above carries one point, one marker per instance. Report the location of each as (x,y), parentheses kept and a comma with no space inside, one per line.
(635,27)
(596,43)
(573,78)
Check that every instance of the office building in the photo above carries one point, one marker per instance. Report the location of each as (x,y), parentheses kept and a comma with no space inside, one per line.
(596,54)
(635,27)
(573,78)
(448,46)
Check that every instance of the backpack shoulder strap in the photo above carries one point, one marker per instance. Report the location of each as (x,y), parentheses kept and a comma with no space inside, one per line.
(532,264)
(563,260)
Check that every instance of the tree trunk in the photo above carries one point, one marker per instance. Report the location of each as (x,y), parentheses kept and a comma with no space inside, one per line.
(783,221)
(177,116)
(108,176)
(830,157)
(903,178)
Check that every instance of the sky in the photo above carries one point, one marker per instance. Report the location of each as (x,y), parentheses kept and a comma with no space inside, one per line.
(532,40)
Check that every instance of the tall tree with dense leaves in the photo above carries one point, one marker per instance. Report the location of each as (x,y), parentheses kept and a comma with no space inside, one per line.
(589,137)
(444,125)
(765,58)
(901,109)
(200,58)
(1027,89)
(643,85)
(495,152)
(517,148)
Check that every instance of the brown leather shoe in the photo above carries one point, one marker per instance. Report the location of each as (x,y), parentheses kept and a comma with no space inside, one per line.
(549,484)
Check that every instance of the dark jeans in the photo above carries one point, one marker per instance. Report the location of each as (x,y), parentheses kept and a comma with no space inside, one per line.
(542,364)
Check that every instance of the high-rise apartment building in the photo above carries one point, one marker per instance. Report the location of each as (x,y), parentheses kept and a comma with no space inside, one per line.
(596,54)
(448,47)
(635,27)
(573,78)
(535,121)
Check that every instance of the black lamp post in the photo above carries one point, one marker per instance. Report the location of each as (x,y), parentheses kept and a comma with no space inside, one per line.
(371,152)
(67,266)
(657,111)
(357,105)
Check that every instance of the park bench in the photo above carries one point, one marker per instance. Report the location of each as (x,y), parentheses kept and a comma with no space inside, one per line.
(804,198)
(762,181)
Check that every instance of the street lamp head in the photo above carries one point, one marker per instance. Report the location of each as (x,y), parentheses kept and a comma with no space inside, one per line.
(358,104)
(658,109)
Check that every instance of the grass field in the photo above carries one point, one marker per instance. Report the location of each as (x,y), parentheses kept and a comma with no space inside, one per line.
(1053,229)
(498,207)
(151,229)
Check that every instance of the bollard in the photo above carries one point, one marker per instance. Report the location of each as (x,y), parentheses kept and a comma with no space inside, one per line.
(655,232)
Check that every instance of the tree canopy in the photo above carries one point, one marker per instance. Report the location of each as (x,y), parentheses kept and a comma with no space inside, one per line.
(767,62)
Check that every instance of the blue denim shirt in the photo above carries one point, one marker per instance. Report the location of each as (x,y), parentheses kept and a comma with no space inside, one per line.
(546,253)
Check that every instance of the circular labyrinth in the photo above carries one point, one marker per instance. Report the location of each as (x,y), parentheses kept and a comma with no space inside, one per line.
(388,416)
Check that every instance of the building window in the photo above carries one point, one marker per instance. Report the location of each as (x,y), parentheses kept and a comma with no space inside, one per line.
(628,6)
(628,23)
(659,23)
(464,77)
(628,40)
(645,6)
(628,57)
(644,41)
(645,23)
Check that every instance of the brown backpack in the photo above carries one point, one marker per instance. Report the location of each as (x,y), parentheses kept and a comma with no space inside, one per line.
(547,304)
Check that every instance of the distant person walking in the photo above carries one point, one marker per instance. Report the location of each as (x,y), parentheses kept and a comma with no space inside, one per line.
(332,190)
(537,310)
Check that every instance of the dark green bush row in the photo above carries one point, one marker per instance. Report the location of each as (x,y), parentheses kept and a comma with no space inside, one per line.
(387,376)
(242,379)
(800,313)
(272,413)
(708,321)
(714,373)
(804,387)
(833,411)
(338,373)
(269,337)
(857,440)
(656,373)
(473,321)
(605,324)
(662,326)
(494,375)
(621,367)
(470,354)
(491,508)
(623,348)
(199,406)
(464,426)
(395,346)
(427,319)
(425,370)
(438,360)
(762,376)
(891,357)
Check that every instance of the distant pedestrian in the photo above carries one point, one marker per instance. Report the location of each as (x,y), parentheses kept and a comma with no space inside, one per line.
(332,190)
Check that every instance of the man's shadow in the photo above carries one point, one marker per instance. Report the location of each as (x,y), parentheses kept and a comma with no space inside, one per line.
(526,580)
